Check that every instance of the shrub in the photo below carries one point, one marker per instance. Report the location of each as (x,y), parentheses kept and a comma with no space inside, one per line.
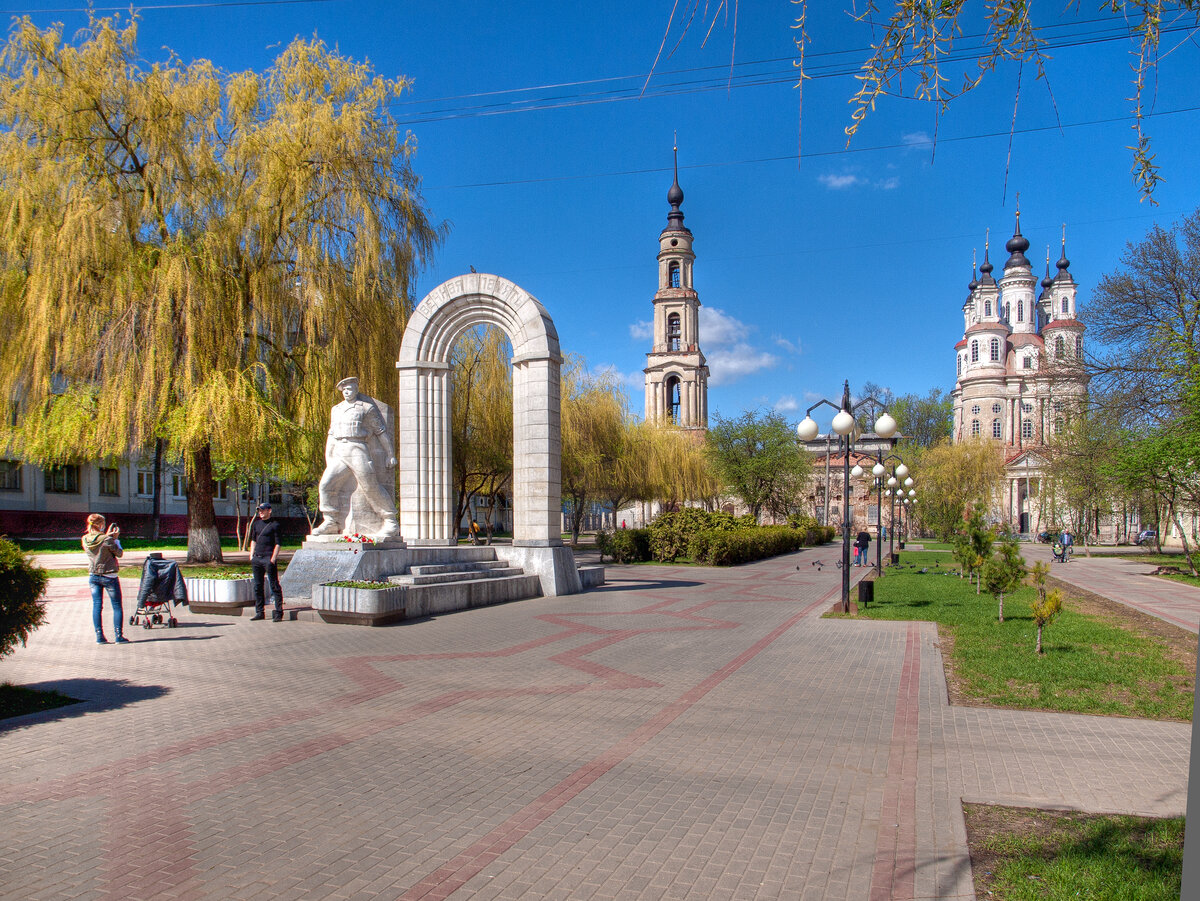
(722,548)
(21,586)
(629,545)
(671,533)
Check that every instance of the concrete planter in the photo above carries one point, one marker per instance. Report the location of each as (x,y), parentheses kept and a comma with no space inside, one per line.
(359,606)
(223,597)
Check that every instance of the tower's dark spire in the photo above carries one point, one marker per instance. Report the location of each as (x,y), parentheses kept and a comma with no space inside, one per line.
(1047,281)
(1016,246)
(1063,262)
(985,270)
(675,198)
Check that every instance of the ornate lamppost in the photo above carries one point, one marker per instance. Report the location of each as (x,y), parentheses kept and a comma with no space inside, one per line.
(846,426)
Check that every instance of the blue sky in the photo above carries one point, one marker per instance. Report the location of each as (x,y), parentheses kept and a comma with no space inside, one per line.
(538,145)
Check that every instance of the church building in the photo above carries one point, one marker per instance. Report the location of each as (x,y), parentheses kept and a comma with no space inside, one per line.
(676,372)
(1015,380)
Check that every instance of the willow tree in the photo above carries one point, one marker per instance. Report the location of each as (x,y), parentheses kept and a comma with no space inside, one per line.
(481,418)
(594,419)
(954,478)
(194,255)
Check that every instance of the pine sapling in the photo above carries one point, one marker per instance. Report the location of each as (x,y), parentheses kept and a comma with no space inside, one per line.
(1005,570)
(1044,612)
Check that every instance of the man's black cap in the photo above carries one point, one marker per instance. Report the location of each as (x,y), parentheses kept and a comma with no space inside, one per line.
(264,506)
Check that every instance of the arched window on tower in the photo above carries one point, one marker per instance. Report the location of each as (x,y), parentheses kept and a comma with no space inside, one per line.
(1065,307)
(1078,346)
(1008,312)
(997,429)
(995,350)
(1027,429)
(974,428)
(1060,348)
(974,351)
(987,308)
(960,359)
(1020,311)
(673,275)
(673,409)
(673,332)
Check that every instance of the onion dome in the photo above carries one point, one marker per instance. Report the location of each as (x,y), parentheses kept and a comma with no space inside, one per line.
(986,269)
(1063,262)
(675,198)
(1016,246)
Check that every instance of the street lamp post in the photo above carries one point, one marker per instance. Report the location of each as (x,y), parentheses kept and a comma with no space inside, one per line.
(879,470)
(846,426)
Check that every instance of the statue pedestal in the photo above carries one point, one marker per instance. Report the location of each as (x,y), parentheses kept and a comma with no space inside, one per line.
(335,560)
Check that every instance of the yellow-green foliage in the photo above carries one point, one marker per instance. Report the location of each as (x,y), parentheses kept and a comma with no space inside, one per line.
(193,254)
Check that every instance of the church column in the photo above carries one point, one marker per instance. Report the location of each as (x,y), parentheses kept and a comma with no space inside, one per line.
(537,453)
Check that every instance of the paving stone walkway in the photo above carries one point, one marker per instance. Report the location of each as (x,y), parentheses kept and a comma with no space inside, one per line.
(681,733)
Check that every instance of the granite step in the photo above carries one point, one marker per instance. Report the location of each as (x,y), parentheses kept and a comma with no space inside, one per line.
(497,572)
(430,569)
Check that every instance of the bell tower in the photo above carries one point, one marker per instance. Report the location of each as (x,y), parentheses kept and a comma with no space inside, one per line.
(676,372)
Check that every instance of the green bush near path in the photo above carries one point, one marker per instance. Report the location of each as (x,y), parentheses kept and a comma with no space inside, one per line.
(1090,666)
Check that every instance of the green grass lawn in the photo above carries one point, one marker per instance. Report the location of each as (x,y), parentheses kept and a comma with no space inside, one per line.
(1178,560)
(72,545)
(1092,663)
(1034,855)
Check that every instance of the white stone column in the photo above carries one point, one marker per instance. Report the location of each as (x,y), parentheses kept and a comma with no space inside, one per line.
(426,498)
(537,452)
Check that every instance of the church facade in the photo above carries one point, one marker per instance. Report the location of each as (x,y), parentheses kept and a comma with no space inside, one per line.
(1015,378)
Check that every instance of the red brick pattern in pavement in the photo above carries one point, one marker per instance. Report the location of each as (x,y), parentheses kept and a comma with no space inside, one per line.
(682,733)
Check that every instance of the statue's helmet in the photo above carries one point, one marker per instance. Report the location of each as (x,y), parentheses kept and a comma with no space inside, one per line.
(351,382)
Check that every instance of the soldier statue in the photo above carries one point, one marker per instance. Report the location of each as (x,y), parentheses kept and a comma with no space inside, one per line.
(356,487)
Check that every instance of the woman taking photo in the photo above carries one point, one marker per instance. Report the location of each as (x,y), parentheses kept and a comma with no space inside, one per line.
(103,548)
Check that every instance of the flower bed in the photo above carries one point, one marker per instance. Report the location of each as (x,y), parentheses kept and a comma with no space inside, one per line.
(359,603)
(224,594)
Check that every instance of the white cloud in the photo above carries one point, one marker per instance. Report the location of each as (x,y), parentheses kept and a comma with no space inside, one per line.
(727,348)
(729,364)
(837,182)
(629,379)
(790,347)
(847,180)
(642,331)
(917,139)
(718,328)
(787,404)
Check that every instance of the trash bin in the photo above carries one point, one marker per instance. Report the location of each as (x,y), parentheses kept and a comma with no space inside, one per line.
(895,558)
(866,592)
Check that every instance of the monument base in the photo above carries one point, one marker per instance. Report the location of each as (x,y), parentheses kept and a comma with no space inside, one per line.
(340,561)
(555,566)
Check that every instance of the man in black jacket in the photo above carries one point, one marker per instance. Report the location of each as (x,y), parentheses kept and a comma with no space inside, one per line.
(264,550)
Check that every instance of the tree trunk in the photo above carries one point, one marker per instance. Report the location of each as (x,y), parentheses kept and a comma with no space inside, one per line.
(1039,641)
(204,542)
(156,516)
(1001,608)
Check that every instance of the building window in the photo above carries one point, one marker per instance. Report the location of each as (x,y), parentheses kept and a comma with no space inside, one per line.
(975,409)
(673,332)
(996,408)
(145,483)
(178,486)
(1026,407)
(110,482)
(62,479)
(10,475)
(1021,311)
(673,275)
(1060,348)
(1058,424)
(1078,346)
(1027,428)
(1007,312)
(1027,363)
(221,490)
(987,308)
(960,364)
(995,350)
(1064,306)
(974,351)
(673,399)
(997,431)
(275,493)
(975,428)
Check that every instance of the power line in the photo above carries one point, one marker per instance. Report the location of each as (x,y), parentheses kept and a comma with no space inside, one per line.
(158,6)
(814,154)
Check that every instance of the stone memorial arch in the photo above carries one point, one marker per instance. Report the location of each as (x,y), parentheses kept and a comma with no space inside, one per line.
(426,497)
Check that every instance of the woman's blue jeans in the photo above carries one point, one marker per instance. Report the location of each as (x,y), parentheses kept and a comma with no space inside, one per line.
(100,584)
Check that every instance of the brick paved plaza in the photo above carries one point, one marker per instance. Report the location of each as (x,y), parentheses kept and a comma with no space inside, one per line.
(681,733)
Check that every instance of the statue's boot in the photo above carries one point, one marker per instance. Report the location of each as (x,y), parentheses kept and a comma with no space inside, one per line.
(388,529)
(328,526)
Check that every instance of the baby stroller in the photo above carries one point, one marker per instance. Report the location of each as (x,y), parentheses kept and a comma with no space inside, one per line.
(1060,551)
(162,584)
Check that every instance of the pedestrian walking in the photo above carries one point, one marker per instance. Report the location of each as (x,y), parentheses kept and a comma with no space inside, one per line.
(103,548)
(863,542)
(264,551)
(473,531)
